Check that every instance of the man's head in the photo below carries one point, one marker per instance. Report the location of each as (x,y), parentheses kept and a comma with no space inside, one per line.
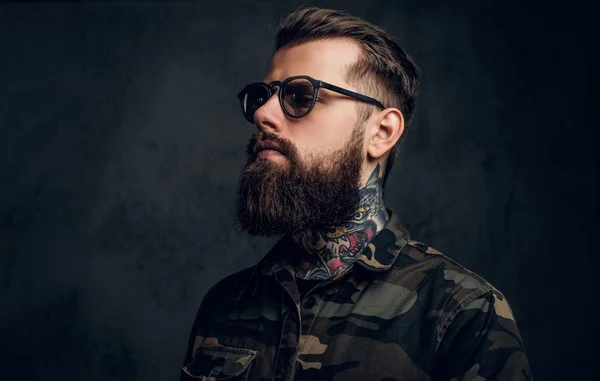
(317,162)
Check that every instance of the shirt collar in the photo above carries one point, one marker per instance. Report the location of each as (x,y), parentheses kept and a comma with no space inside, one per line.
(381,253)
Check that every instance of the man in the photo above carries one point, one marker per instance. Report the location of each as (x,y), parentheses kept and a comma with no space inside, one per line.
(345,294)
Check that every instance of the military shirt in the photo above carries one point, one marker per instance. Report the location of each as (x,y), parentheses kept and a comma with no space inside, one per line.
(403,311)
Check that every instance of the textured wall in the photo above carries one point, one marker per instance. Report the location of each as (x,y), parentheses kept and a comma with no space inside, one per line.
(121,143)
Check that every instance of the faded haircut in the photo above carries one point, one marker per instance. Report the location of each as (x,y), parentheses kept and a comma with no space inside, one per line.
(383,71)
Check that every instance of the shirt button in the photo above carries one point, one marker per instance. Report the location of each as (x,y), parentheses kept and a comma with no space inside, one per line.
(310,302)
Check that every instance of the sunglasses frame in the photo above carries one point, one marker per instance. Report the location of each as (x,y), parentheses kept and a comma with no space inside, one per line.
(316,84)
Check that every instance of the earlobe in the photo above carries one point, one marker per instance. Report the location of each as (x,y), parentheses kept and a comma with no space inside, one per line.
(388,129)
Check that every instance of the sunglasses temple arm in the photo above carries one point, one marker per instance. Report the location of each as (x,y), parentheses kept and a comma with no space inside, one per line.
(352,94)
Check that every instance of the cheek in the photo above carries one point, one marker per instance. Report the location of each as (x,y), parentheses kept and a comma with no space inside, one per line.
(315,156)
(322,135)
(321,156)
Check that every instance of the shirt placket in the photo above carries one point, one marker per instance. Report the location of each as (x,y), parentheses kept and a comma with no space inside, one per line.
(290,317)
(298,317)
(308,314)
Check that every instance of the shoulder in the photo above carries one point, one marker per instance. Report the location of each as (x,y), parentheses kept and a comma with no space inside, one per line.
(231,287)
(446,287)
(443,267)
(450,285)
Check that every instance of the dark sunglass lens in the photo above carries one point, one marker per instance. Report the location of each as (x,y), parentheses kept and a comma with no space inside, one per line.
(252,98)
(298,97)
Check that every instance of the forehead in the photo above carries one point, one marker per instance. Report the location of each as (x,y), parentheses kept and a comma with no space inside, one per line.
(325,60)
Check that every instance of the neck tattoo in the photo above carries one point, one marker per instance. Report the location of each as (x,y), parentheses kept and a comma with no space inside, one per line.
(329,251)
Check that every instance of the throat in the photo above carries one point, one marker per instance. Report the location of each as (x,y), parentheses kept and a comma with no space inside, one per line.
(328,251)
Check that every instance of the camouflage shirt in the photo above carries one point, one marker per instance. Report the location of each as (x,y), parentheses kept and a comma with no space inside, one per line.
(403,311)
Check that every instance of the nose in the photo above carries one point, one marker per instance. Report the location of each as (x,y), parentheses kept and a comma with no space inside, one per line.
(270,116)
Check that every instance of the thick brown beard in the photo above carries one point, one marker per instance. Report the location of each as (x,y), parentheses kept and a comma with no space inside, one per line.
(287,198)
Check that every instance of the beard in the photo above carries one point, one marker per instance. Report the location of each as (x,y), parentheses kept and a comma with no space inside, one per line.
(276,197)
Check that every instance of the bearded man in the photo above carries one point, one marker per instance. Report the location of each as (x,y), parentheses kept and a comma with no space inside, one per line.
(345,294)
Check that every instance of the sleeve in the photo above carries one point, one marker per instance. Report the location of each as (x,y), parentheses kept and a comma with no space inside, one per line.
(482,342)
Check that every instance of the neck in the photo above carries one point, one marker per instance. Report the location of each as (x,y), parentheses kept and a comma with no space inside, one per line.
(329,251)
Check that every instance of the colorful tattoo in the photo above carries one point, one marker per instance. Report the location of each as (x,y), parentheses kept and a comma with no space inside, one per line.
(331,251)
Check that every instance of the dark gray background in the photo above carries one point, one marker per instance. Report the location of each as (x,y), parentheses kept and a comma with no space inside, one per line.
(121,142)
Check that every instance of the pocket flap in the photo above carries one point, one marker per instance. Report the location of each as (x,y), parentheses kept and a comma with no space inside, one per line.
(220,362)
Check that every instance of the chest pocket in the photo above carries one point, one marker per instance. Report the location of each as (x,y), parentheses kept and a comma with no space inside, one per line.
(217,362)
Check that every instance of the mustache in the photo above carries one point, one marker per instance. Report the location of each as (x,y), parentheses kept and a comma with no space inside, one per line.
(286,147)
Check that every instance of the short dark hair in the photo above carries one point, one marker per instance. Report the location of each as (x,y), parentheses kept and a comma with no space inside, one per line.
(383,71)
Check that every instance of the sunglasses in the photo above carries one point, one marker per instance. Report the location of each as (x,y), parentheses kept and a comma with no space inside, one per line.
(297,96)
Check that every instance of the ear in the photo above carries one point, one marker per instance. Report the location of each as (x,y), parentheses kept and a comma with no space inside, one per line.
(385,131)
